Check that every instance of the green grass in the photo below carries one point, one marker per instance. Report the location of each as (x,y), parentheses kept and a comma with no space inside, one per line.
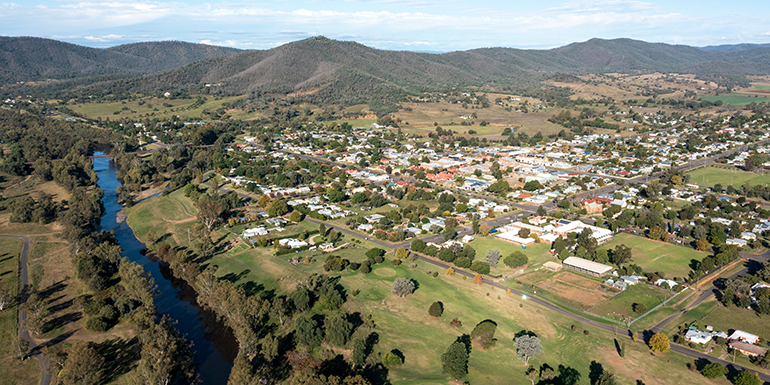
(619,306)
(735,99)
(760,87)
(14,371)
(180,107)
(709,176)
(672,260)
(403,323)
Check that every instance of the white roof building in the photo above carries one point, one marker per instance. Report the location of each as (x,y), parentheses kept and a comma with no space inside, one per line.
(587,267)
(743,336)
(601,235)
(513,236)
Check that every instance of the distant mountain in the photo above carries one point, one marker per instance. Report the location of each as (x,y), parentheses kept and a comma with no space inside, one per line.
(319,63)
(733,47)
(31,58)
(325,70)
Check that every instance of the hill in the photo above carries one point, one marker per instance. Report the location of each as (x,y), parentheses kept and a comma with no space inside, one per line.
(31,58)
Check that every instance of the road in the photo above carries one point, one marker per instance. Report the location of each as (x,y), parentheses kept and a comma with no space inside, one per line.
(23,282)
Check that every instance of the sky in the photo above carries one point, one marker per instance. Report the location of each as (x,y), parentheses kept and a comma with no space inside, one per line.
(416,25)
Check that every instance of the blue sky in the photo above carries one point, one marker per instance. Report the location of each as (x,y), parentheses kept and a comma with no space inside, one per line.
(417,25)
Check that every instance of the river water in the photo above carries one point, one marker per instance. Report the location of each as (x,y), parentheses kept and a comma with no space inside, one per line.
(213,343)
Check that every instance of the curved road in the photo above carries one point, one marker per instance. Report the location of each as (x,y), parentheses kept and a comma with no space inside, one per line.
(23,282)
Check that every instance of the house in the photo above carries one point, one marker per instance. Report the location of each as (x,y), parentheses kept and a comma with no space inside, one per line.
(292,243)
(593,207)
(630,280)
(277,221)
(665,283)
(516,226)
(748,349)
(737,242)
(587,267)
(748,235)
(250,233)
(326,246)
(739,335)
(698,337)
(553,266)
(374,218)
(365,227)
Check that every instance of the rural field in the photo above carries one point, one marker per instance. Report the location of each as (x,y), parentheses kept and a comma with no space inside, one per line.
(620,305)
(671,260)
(713,313)
(737,99)
(709,176)
(157,108)
(403,323)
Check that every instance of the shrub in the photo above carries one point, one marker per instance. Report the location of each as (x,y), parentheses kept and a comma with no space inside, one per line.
(403,287)
(516,259)
(480,267)
(97,324)
(392,359)
(436,309)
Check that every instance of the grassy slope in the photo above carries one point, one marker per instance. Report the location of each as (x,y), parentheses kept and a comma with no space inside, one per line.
(403,323)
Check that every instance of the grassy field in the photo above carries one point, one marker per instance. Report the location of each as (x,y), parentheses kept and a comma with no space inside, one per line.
(672,260)
(14,371)
(709,176)
(736,99)
(537,253)
(619,306)
(403,323)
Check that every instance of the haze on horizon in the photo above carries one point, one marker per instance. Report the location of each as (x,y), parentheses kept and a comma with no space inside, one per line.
(419,25)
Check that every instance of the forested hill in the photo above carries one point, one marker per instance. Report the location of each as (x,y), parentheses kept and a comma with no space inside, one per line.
(347,72)
(31,58)
(319,62)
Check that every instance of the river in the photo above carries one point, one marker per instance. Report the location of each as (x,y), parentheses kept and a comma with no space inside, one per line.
(214,346)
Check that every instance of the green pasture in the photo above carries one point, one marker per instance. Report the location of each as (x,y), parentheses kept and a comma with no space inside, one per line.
(671,260)
(735,99)
(155,107)
(713,313)
(620,305)
(709,176)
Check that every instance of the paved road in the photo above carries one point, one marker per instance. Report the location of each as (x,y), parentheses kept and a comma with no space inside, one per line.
(24,281)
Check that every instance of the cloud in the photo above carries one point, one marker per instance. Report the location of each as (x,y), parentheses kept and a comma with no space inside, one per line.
(105,38)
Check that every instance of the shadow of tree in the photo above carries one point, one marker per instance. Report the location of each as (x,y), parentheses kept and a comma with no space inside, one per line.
(120,357)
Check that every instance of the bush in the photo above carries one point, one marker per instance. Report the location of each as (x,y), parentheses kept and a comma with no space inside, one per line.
(392,359)
(436,309)
(97,324)
(395,262)
(403,287)
(516,259)
(480,267)
(639,308)
(713,370)
(366,267)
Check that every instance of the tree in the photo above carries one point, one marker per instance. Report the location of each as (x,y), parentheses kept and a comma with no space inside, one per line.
(659,343)
(484,334)
(746,378)
(358,358)
(713,370)
(531,374)
(516,259)
(527,347)
(655,233)
(638,308)
(391,359)
(277,208)
(418,245)
(455,360)
(436,309)
(449,233)
(165,354)
(606,378)
(478,279)
(524,233)
(493,256)
(541,211)
(307,331)
(484,230)
(296,216)
(565,204)
(403,287)
(83,364)
(208,211)
(621,254)
(337,329)
(402,253)
(480,267)
(701,244)
(6,296)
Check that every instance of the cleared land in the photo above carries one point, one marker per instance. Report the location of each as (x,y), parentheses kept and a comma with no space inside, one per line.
(736,99)
(620,305)
(403,323)
(573,289)
(709,176)
(652,256)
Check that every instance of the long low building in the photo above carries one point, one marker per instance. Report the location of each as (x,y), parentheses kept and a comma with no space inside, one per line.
(587,267)
(600,234)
